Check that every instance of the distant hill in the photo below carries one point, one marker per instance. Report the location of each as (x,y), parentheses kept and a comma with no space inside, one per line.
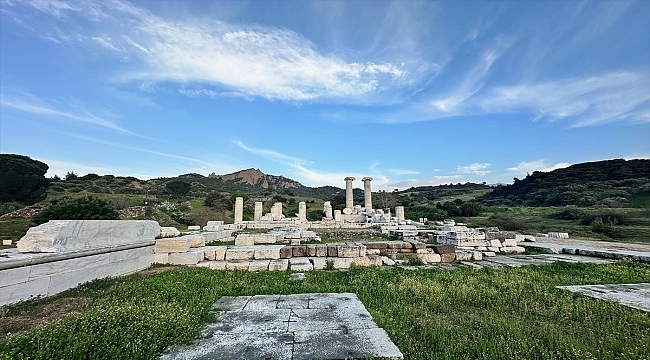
(611,183)
(256,178)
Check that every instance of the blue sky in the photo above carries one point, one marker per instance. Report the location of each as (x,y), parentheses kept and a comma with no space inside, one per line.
(410,93)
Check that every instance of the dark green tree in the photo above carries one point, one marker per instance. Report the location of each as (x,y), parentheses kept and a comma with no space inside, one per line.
(178,187)
(85,208)
(218,201)
(22,179)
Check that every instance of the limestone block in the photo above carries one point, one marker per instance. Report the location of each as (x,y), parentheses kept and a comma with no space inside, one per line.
(14,276)
(286,252)
(244,240)
(509,242)
(23,291)
(342,263)
(390,252)
(240,253)
(259,265)
(59,236)
(362,249)
(188,258)
(321,250)
(463,256)
(477,255)
(348,251)
(489,253)
(375,260)
(311,250)
(332,250)
(213,226)
(416,244)
(299,251)
(270,252)
(295,241)
(169,231)
(215,253)
(300,264)
(6,242)
(162,258)
(196,240)
(193,228)
(379,245)
(175,245)
(361,261)
(493,249)
(512,250)
(319,263)
(372,252)
(495,243)
(444,249)
(278,265)
(481,248)
(214,265)
(399,245)
(429,258)
(237,264)
(387,261)
(447,258)
(67,280)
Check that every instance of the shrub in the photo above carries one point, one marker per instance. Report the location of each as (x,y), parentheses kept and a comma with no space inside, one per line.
(85,208)
(508,223)
(9,207)
(570,214)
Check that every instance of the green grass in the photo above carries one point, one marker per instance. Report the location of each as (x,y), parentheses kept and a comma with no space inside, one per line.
(13,228)
(428,313)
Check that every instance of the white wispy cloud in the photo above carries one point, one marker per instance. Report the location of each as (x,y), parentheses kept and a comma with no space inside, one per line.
(536,165)
(588,101)
(60,168)
(261,61)
(479,169)
(31,104)
(404,172)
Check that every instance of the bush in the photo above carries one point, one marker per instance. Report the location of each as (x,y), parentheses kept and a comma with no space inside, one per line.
(22,179)
(508,223)
(178,187)
(9,207)
(218,202)
(85,208)
(570,214)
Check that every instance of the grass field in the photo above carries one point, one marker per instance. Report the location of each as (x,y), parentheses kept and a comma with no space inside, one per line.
(429,314)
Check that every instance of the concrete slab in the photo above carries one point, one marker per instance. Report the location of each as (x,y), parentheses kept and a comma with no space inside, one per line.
(636,296)
(291,327)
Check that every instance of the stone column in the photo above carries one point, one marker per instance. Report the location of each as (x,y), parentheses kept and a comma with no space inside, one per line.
(302,211)
(327,209)
(349,196)
(258,211)
(367,193)
(337,215)
(276,211)
(399,213)
(239,210)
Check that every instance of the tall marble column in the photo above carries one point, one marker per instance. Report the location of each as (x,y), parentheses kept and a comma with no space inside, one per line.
(258,211)
(239,209)
(327,209)
(349,195)
(399,213)
(302,211)
(367,193)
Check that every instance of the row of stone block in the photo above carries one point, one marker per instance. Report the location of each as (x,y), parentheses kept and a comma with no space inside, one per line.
(297,263)
(344,250)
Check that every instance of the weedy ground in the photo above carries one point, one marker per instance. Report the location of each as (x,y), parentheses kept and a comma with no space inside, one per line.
(428,313)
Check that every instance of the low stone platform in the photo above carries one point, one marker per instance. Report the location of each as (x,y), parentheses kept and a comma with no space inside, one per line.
(636,296)
(608,250)
(291,327)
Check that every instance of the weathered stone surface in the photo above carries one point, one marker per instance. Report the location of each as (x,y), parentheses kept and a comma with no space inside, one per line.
(362,249)
(494,249)
(321,250)
(244,240)
(379,245)
(512,250)
(361,261)
(319,263)
(193,228)
(463,256)
(278,265)
(477,255)
(237,264)
(430,258)
(495,243)
(169,231)
(286,252)
(341,263)
(162,258)
(196,240)
(416,244)
(489,253)
(213,226)
(214,265)
(311,250)
(447,258)
(387,261)
(300,264)
(444,249)
(348,251)
(399,245)
(175,245)
(332,250)
(375,260)
(267,251)
(188,258)
(59,236)
(259,265)
(240,253)
(6,242)
(509,242)
(633,295)
(373,252)
(299,251)
(214,253)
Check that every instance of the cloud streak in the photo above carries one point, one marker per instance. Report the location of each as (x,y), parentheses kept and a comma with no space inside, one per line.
(536,165)
(476,169)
